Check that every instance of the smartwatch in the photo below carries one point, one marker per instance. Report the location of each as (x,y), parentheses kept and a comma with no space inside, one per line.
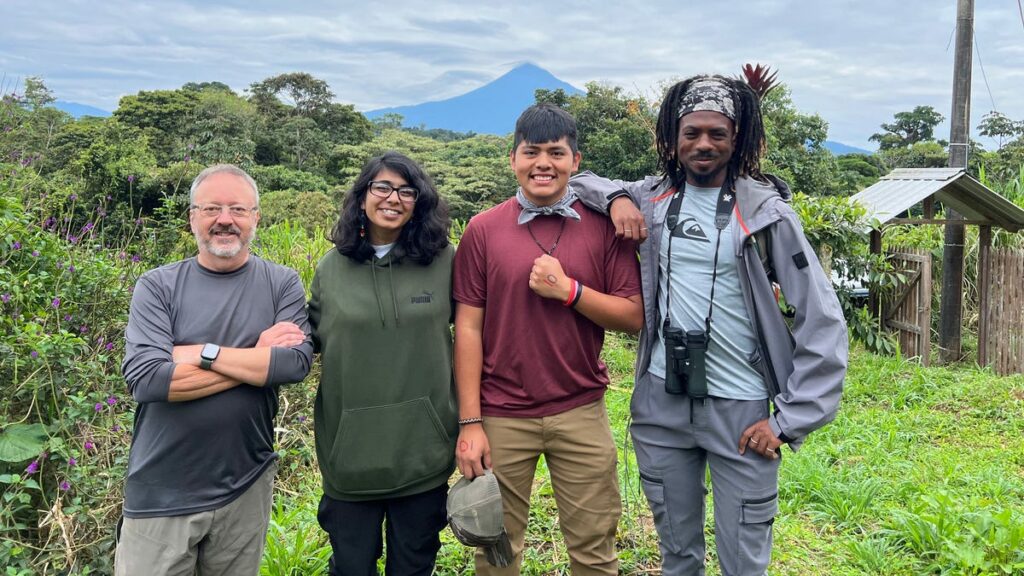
(208,355)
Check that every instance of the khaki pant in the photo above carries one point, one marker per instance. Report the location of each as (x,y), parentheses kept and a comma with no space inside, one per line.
(227,541)
(581,456)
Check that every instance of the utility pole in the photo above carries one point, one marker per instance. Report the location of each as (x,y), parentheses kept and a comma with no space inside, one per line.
(951,305)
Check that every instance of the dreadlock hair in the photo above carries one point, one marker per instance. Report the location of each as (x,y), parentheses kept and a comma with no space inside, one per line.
(750,136)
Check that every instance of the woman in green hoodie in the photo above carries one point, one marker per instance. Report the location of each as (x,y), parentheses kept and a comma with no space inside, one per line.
(385,414)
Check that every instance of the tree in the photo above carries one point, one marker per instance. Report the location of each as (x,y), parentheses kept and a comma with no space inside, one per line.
(206,87)
(37,94)
(796,146)
(998,125)
(299,125)
(162,116)
(221,128)
(306,95)
(616,131)
(909,128)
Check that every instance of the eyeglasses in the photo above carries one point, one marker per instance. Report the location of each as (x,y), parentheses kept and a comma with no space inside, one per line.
(382,189)
(215,210)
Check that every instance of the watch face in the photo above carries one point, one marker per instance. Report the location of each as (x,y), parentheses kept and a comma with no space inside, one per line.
(210,352)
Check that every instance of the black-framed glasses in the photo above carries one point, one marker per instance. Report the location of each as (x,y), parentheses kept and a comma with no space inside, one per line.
(383,189)
(215,210)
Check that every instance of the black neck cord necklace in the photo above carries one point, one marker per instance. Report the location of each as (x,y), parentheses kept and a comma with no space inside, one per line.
(541,246)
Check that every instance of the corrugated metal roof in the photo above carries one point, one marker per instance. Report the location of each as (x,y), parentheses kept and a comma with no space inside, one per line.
(903,188)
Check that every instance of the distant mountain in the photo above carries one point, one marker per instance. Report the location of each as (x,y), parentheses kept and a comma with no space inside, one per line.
(78,110)
(491,109)
(839,149)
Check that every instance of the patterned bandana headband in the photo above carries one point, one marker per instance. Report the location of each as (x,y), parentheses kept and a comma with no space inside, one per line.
(708,93)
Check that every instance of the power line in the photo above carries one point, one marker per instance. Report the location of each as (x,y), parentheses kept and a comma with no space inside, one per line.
(1021,10)
(977,50)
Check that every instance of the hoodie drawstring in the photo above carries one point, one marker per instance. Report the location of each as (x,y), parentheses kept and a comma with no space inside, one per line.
(376,291)
(394,298)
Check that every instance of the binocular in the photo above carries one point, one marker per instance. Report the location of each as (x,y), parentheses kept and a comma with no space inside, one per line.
(686,362)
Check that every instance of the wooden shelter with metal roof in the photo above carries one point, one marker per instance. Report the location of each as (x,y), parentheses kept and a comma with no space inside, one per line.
(888,199)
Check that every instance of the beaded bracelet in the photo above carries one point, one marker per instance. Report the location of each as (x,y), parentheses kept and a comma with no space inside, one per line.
(464,421)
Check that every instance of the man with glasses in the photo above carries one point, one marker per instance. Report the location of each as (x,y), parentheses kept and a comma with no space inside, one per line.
(208,341)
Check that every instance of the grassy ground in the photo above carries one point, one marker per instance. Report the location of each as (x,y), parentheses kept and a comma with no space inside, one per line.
(922,472)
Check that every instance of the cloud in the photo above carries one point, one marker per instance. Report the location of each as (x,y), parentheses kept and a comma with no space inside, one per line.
(855,62)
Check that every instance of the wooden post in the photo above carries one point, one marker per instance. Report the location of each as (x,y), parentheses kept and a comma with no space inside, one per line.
(984,291)
(874,302)
(951,306)
(928,207)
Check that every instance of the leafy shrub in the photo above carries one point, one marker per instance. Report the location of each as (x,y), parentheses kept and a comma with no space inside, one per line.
(64,444)
(837,228)
(308,210)
(270,178)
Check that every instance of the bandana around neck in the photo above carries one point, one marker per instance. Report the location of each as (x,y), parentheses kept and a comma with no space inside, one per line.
(560,208)
(708,93)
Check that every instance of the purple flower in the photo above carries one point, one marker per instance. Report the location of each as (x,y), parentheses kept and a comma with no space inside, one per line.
(88,226)
(34,354)
(138,221)
(121,255)
(88,446)
(115,428)
(16,245)
(56,303)
(188,158)
(109,346)
(135,258)
(49,222)
(302,418)
(131,178)
(35,253)
(71,267)
(83,329)
(111,400)
(73,197)
(65,486)
(67,317)
(72,461)
(33,467)
(73,239)
(98,406)
(5,297)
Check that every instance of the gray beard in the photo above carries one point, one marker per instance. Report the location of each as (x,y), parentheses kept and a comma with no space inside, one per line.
(225,252)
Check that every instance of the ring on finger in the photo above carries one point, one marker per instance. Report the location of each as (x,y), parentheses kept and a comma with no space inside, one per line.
(754,441)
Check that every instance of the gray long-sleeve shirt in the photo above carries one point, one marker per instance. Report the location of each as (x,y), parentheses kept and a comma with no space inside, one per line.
(187,457)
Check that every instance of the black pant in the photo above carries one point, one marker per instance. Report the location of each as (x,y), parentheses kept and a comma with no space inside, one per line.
(412,528)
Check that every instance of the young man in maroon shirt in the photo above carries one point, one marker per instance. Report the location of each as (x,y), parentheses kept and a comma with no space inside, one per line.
(538,279)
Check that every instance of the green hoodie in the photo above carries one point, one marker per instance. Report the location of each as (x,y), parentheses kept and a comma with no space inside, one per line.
(385,415)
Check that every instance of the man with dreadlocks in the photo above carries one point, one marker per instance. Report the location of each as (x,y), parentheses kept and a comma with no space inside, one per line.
(721,380)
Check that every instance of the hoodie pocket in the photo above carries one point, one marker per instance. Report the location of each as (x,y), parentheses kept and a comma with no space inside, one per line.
(384,449)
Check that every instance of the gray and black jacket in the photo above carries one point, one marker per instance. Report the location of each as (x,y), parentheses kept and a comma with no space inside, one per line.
(803,367)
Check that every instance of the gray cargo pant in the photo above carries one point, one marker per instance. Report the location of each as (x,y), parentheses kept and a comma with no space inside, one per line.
(227,541)
(677,438)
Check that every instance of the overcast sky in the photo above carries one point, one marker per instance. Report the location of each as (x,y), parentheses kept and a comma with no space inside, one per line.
(854,62)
